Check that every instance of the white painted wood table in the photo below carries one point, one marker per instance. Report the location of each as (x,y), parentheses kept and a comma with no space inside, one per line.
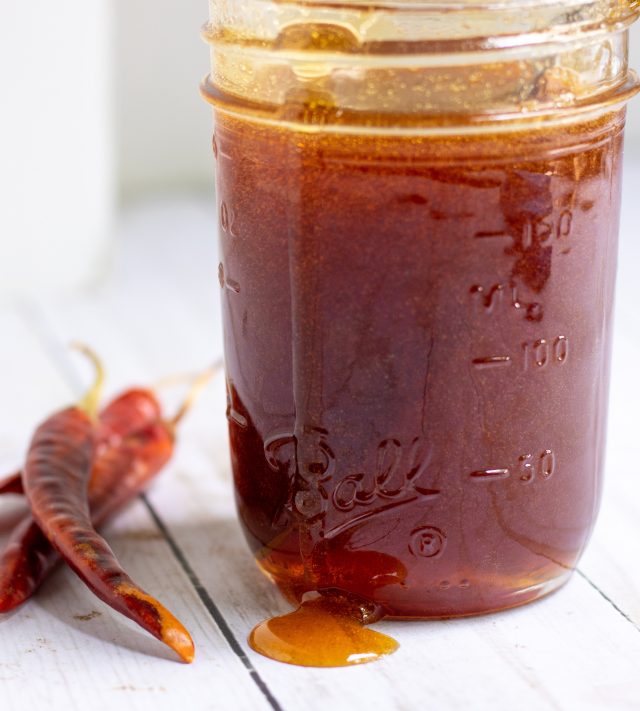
(156,314)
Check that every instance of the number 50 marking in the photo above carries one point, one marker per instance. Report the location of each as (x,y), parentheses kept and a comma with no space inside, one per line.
(545,466)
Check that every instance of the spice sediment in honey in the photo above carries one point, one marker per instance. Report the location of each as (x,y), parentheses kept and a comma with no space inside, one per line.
(417,334)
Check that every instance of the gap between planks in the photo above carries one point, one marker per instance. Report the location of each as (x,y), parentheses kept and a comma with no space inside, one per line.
(588,580)
(54,348)
(212,608)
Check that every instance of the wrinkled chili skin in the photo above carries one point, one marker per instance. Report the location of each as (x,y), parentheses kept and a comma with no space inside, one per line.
(25,563)
(119,475)
(57,470)
(93,560)
(122,473)
(130,412)
(56,480)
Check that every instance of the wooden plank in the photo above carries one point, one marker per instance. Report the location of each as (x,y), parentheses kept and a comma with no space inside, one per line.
(67,650)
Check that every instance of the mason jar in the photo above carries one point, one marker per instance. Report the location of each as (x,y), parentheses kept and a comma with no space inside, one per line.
(418,205)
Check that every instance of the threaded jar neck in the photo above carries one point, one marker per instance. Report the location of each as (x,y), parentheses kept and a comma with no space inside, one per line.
(423,63)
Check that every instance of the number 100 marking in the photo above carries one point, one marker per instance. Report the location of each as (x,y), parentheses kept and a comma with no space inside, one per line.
(541,353)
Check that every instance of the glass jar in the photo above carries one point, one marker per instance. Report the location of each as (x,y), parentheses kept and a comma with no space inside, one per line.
(418,208)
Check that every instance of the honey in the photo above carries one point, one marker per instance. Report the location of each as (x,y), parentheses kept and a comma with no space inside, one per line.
(417,343)
(326,631)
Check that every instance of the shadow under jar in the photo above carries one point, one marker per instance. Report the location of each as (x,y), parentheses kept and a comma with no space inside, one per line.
(418,210)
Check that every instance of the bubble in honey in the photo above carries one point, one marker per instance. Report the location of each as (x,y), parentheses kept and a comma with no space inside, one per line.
(318,36)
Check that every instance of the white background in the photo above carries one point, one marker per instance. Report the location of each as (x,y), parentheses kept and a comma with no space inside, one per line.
(100,110)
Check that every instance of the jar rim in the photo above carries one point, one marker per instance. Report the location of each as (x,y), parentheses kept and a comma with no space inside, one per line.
(435,4)
(619,8)
(480,20)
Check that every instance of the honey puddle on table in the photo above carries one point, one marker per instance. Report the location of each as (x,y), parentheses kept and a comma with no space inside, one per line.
(322,632)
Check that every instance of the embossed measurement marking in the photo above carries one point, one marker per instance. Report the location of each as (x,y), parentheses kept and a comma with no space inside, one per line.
(536,355)
(528,469)
(232,414)
(492,362)
(491,474)
(217,152)
(227,219)
(227,283)
(526,237)
(500,295)
(539,231)
(492,235)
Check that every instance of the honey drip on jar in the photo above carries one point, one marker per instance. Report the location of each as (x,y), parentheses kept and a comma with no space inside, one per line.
(325,631)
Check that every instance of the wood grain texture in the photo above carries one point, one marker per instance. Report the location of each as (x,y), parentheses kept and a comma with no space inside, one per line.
(578,649)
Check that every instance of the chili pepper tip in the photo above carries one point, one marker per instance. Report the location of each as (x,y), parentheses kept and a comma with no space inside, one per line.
(91,400)
(169,629)
(180,641)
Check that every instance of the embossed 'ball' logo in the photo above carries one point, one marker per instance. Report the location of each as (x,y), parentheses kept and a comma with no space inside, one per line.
(427,542)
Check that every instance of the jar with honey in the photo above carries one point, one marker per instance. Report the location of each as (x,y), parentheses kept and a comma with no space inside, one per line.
(418,207)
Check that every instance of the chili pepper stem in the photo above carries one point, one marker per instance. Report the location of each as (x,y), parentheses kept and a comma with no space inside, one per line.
(170,381)
(199,384)
(91,401)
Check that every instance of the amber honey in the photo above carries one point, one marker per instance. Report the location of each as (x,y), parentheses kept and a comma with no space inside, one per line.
(417,342)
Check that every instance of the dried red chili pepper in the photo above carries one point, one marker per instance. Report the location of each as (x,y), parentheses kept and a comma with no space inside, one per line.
(119,475)
(130,412)
(60,506)
(127,413)
(133,449)
(11,484)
